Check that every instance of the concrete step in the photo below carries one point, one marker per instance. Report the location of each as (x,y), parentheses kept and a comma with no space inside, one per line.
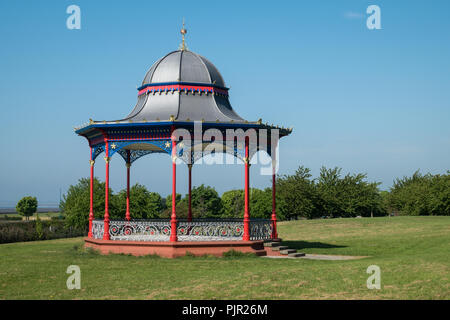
(273,240)
(288,251)
(271,244)
(296,254)
(279,248)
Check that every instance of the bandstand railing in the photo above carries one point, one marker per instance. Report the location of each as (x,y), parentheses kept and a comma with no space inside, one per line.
(195,230)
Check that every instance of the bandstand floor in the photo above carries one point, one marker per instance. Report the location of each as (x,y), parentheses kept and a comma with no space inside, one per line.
(175,249)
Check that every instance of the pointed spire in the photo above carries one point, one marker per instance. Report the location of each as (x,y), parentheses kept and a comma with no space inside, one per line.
(183,32)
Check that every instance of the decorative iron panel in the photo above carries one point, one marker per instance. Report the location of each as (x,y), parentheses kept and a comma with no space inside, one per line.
(210,230)
(196,230)
(98,229)
(260,229)
(140,230)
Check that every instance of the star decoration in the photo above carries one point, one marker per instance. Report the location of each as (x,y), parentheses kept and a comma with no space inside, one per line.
(167,144)
(113,146)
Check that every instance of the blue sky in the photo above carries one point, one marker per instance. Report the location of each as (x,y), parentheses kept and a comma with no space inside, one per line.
(372,101)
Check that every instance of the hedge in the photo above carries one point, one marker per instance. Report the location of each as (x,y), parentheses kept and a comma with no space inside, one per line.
(13,231)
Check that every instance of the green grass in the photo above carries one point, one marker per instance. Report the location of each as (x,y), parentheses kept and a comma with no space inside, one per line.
(412,252)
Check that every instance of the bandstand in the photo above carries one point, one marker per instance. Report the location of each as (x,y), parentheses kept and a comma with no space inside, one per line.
(182,110)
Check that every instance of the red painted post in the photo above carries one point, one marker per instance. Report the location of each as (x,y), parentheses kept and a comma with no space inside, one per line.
(106,220)
(128,164)
(274,214)
(91,197)
(246,236)
(173,218)
(190,195)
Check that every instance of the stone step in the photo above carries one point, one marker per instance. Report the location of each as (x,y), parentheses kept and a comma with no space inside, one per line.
(279,248)
(288,251)
(273,240)
(296,254)
(271,244)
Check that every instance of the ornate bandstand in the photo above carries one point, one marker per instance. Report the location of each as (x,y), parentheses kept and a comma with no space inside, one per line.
(182,110)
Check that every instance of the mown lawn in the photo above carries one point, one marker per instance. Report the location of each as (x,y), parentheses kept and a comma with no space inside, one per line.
(412,252)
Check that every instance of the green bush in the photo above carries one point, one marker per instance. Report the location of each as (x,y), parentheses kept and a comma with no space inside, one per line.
(7,218)
(331,195)
(37,230)
(421,195)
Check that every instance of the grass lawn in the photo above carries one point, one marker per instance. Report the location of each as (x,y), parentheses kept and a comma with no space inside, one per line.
(412,252)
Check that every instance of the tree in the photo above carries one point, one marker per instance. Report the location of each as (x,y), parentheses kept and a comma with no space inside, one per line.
(260,203)
(296,195)
(206,201)
(167,207)
(233,204)
(27,206)
(421,194)
(143,203)
(169,200)
(75,203)
(347,196)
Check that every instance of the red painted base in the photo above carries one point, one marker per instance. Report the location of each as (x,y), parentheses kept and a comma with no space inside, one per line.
(175,249)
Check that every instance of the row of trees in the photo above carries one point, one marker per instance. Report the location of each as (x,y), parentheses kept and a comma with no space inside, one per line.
(298,195)
(330,195)
(421,195)
(206,203)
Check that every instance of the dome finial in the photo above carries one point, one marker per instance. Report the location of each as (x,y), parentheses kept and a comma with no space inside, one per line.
(183,44)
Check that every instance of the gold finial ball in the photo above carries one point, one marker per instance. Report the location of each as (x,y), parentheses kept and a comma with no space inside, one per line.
(183,31)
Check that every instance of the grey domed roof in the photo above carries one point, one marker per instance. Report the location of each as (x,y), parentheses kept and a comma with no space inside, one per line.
(184,66)
(183,86)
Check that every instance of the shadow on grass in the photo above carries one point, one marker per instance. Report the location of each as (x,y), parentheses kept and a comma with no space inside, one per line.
(309,245)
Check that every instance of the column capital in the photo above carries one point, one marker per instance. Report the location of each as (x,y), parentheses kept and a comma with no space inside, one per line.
(107,159)
(92,162)
(189,166)
(128,164)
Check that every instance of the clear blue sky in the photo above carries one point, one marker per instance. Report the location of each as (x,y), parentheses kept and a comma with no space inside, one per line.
(373,101)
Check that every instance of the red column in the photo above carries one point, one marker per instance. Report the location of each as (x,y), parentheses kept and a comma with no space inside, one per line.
(274,214)
(106,220)
(246,236)
(128,164)
(190,198)
(173,218)
(91,197)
